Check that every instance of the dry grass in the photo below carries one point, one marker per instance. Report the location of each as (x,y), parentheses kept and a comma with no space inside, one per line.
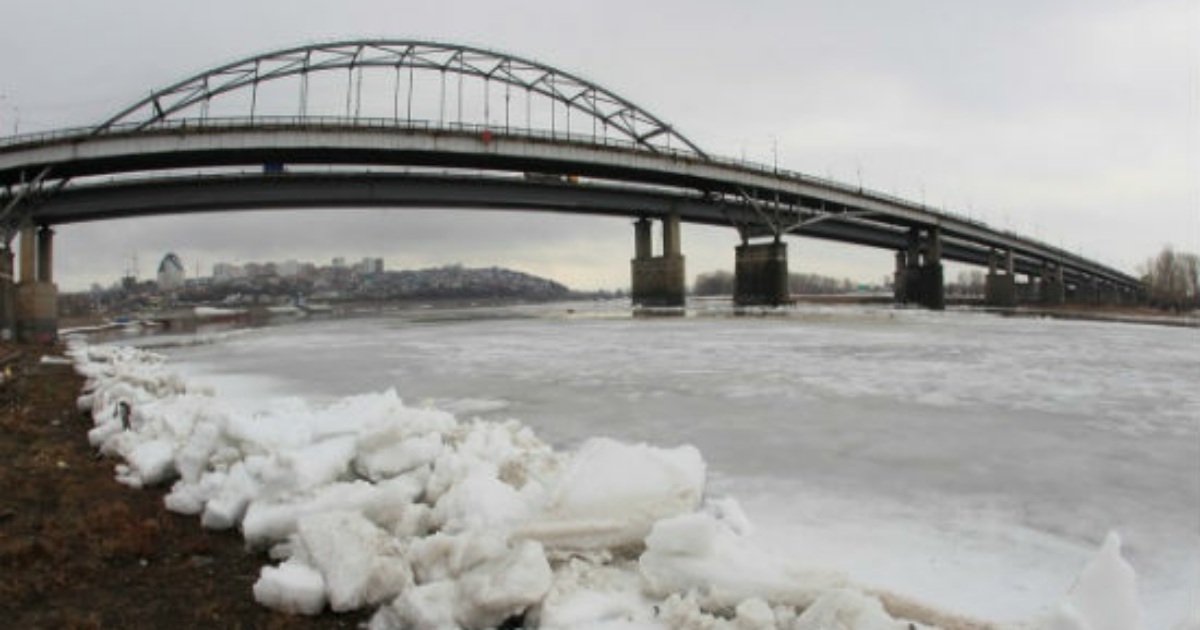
(79,550)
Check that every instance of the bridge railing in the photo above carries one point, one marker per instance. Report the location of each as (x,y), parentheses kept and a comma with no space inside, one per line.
(324,122)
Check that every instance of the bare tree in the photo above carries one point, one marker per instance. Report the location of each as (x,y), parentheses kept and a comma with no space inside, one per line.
(969,283)
(1173,279)
(713,283)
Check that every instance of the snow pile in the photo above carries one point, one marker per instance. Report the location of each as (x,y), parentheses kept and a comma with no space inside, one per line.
(438,523)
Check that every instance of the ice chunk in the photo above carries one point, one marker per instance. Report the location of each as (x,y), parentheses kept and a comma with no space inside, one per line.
(149,463)
(188,498)
(1104,596)
(754,614)
(611,494)
(193,457)
(503,587)
(292,588)
(383,455)
(844,609)
(226,509)
(729,511)
(698,552)
(384,504)
(686,612)
(442,557)
(593,593)
(476,580)
(307,468)
(479,502)
(426,607)
(361,564)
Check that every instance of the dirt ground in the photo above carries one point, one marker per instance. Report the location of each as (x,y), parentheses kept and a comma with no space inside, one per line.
(79,550)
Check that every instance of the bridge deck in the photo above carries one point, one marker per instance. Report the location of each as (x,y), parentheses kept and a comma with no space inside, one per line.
(622,179)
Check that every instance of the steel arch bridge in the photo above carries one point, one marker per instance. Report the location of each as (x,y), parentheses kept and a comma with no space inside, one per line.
(400,123)
(605,111)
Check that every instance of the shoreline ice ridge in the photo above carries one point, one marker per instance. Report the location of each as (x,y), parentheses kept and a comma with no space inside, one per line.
(437,522)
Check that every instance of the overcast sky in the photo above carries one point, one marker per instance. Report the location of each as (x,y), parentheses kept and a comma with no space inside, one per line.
(1077,122)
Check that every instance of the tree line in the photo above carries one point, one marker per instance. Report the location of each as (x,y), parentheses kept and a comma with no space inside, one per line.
(1173,279)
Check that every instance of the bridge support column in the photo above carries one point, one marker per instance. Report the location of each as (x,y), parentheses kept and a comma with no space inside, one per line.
(36,304)
(1087,291)
(1027,292)
(45,255)
(658,280)
(912,269)
(643,244)
(900,278)
(933,285)
(761,274)
(1000,288)
(8,295)
(28,269)
(1051,289)
(1107,294)
(922,275)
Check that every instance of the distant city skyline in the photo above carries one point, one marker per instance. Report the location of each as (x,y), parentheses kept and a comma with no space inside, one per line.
(175,267)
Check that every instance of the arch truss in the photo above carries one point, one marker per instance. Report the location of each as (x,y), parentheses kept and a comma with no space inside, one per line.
(504,93)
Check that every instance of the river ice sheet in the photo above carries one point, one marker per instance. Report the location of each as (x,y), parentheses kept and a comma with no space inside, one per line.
(965,459)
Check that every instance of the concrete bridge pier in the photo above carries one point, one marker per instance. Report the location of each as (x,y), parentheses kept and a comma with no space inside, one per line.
(36,304)
(1027,292)
(900,278)
(1052,288)
(919,275)
(8,295)
(657,280)
(761,274)
(1000,288)
(1088,291)
(1112,295)
(933,286)
(1108,295)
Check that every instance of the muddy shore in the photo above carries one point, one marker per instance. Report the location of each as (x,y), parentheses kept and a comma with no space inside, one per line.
(79,550)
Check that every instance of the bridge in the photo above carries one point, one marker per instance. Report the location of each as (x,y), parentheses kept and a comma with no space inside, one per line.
(399,123)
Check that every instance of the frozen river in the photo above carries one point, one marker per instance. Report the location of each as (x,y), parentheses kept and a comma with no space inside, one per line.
(968,460)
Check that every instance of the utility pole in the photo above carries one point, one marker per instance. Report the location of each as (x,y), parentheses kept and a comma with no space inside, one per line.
(3,100)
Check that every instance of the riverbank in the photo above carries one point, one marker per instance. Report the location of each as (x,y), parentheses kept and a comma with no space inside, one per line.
(79,550)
